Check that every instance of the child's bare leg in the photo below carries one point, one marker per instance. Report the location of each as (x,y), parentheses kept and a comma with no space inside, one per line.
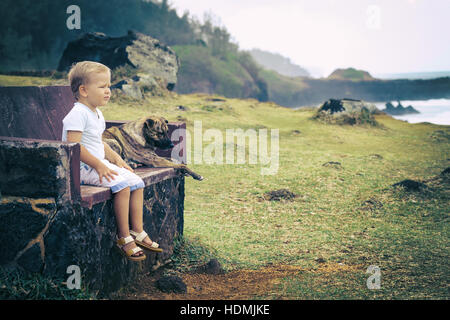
(136,212)
(121,210)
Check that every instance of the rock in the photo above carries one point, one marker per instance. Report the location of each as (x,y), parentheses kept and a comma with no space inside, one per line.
(320,260)
(410,185)
(445,175)
(132,90)
(171,284)
(399,110)
(333,106)
(211,267)
(347,105)
(153,65)
(22,175)
(32,260)
(86,238)
(347,111)
(21,221)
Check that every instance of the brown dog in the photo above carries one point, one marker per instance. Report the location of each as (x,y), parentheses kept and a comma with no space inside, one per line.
(136,142)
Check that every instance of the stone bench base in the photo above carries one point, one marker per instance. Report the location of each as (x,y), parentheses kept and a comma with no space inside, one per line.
(47,220)
(43,236)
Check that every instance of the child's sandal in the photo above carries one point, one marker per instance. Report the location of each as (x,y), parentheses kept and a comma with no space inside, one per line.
(129,254)
(139,239)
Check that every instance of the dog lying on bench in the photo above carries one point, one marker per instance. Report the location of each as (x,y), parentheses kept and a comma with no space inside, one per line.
(136,142)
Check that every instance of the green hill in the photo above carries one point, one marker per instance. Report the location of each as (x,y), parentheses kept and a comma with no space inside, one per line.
(210,62)
(276,62)
(350,74)
(232,74)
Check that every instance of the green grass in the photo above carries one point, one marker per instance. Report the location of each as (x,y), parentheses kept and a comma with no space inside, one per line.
(188,254)
(7,80)
(406,234)
(21,285)
(200,70)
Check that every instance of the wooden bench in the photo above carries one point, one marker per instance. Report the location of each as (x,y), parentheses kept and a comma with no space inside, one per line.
(51,222)
(38,114)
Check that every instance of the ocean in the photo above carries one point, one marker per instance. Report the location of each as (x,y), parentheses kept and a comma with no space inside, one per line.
(435,111)
(413,75)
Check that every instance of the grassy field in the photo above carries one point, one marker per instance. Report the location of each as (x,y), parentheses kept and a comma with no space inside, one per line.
(346,216)
(8,80)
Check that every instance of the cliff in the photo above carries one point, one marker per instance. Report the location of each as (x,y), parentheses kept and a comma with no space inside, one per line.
(399,109)
(295,92)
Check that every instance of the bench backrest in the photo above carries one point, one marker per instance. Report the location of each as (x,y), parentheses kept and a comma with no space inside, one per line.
(37,113)
(34,112)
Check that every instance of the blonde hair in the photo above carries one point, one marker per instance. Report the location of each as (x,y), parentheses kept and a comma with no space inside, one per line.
(79,74)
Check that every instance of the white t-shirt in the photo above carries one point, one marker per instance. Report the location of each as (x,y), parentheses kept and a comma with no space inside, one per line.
(82,118)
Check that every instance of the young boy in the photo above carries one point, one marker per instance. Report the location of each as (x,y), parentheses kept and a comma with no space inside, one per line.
(100,165)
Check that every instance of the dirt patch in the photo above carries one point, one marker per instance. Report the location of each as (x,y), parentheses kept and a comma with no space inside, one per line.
(338,267)
(333,164)
(240,284)
(278,195)
(372,204)
(243,284)
(410,185)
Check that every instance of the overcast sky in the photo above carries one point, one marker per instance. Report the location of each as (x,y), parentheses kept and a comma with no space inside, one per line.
(380,36)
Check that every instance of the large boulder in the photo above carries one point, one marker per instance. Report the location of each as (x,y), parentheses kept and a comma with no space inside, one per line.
(347,106)
(144,62)
(399,109)
(347,111)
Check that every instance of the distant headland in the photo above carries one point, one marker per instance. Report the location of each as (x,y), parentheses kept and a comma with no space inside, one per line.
(350,74)
(399,109)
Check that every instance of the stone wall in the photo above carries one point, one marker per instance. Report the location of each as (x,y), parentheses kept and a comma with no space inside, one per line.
(86,238)
(44,228)
(37,168)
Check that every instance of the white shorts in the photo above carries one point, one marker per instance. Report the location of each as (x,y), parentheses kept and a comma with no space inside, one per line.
(124,179)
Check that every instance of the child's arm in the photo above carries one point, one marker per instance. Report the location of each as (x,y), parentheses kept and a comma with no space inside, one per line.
(89,159)
(113,157)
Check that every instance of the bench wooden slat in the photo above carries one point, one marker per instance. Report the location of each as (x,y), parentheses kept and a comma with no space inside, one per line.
(91,195)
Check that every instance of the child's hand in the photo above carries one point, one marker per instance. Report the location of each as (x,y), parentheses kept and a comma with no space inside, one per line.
(121,163)
(104,171)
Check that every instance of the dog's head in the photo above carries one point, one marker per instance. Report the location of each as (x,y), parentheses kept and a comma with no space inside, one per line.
(156,132)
